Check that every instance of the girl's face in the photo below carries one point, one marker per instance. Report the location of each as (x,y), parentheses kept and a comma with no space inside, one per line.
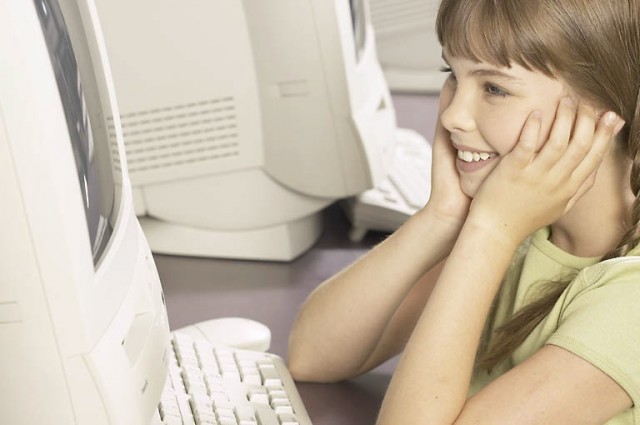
(484,108)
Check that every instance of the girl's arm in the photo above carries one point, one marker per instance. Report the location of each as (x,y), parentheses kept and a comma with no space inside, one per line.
(551,387)
(526,191)
(364,315)
(341,330)
(431,381)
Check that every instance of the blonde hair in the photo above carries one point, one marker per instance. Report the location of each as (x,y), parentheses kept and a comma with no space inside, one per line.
(592,45)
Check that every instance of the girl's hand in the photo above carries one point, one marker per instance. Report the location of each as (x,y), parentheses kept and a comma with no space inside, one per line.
(447,201)
(530,187)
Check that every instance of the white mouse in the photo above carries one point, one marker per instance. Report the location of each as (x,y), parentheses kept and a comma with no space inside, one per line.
(235,332)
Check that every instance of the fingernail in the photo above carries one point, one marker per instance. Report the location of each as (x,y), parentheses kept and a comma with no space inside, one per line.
(610,118)
(619,126)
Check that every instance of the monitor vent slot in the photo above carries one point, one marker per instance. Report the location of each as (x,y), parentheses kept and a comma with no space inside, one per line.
(178,136)
(402,15)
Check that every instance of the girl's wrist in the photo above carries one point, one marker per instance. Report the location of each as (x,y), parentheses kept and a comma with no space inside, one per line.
(442,226)
(496,229)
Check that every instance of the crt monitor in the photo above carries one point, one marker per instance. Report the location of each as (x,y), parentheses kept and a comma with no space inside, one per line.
(243,120)
(83,326)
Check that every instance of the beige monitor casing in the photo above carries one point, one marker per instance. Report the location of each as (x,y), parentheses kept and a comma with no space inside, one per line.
(80,345)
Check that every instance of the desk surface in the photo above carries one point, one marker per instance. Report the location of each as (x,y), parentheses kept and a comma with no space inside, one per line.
(198,289)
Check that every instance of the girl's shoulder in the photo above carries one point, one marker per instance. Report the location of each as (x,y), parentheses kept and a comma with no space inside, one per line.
(619,270)
(598,319)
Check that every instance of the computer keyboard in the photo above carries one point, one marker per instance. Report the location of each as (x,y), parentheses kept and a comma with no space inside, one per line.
(217,385)
(404,191)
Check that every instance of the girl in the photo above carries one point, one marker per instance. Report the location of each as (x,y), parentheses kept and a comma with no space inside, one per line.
(513,294)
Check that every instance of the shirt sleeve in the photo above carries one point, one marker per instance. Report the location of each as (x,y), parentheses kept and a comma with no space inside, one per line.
(600,322)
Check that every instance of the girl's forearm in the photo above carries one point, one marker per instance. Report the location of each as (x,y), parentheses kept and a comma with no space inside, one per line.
(432,379)
(343,319)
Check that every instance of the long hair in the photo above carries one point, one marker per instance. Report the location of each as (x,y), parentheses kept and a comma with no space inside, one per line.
(593,46)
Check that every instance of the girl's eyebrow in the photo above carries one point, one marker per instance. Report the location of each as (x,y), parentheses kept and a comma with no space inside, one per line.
(493,73)
(486,72)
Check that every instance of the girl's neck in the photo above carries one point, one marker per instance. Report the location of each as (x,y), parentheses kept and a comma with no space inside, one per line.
(596,223)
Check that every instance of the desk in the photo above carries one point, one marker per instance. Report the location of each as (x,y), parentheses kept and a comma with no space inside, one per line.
(198,289)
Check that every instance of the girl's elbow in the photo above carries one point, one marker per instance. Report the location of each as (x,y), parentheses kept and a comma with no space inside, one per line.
(308,368)
(303,370)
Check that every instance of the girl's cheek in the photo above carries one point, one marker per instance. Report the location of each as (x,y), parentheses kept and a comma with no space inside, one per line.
(503,128)
(501,131)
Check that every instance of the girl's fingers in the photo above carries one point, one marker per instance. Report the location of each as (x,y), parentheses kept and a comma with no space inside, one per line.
(582,139)
(525,150)
(607,127)
(578,140)
(442,146)
(582,189)
(585,122)
(561,131)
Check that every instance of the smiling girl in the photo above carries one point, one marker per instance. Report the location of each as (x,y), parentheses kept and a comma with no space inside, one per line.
(514,294)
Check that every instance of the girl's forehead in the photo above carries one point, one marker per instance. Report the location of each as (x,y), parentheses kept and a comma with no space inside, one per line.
(477,55)
(515,75)
(476,64)
(516,64)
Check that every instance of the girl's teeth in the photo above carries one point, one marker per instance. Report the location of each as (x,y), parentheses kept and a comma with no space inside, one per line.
(467,156)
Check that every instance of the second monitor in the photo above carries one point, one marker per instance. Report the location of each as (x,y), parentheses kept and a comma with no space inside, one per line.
(408,46)
(243,120)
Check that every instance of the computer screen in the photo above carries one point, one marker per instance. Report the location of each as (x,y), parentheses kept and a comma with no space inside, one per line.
(83,326)
(359,20)
(243,120)
(98,194)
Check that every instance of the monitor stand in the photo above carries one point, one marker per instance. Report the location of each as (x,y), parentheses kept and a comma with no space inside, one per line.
(283,242)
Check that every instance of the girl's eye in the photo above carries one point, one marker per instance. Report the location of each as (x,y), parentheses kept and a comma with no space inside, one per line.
(494,90)
(448,70)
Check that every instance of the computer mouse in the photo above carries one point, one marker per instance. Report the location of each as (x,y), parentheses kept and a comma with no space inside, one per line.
(235,332)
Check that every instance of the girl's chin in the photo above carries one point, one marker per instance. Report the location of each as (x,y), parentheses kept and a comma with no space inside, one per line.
(470,187)
(471,182)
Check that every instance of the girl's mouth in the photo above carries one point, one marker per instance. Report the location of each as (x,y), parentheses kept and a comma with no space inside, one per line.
(469,162)
(468,156)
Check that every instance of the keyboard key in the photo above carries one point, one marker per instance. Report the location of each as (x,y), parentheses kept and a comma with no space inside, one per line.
(172,421)
(245,415)
(288,419)
(270,377)
(226,415)
(185,411)
(258,395)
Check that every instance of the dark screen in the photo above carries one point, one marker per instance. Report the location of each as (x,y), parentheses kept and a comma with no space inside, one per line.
(358,22)
(73,100)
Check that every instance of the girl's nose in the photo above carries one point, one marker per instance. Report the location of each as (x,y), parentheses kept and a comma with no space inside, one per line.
(456,110)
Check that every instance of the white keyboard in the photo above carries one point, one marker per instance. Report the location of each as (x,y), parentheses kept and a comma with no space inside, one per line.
(405,190)
(212,385)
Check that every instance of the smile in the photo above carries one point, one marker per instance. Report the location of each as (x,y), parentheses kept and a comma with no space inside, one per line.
(468,156)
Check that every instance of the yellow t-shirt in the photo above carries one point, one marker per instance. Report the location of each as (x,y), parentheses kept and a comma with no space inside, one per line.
(597,317)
